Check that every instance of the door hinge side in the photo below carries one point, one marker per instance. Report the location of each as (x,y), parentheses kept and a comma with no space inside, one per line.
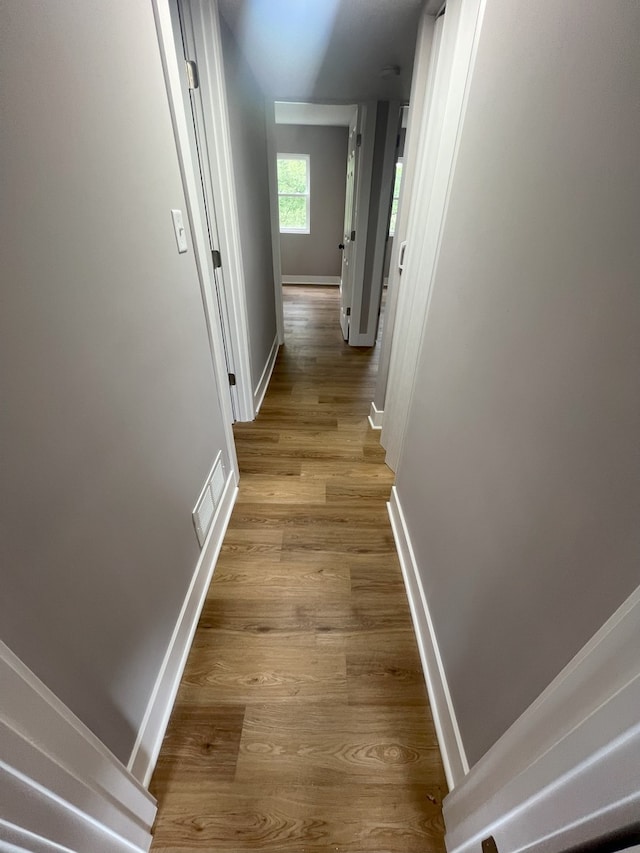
(353,236)
(217,259)
(192,73)
(232,379)
(359,140)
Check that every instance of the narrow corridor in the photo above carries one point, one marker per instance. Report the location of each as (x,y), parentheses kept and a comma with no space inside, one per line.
(302,721)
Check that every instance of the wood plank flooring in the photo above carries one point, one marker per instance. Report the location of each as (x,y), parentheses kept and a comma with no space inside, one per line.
(302,722)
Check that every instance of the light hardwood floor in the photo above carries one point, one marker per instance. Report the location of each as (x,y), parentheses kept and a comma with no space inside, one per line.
(302,722)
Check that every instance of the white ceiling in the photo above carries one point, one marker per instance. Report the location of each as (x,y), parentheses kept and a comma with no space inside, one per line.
(327,50)
(334,115)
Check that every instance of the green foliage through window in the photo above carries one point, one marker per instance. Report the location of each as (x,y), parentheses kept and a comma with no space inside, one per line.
(293,192)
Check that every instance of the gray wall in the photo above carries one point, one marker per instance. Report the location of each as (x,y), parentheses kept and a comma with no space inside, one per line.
(317,253)
(250,164)
(520,475)
(110,419)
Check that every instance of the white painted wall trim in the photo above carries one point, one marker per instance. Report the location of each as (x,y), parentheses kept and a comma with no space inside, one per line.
(19,840)
(566,772)
(58,780)
(147,746)
(449,739)
(263,384)
(208,41)
(375,417)
(311,279)
(41,820)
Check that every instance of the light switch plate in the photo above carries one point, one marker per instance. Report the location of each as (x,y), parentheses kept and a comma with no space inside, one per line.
(178,227)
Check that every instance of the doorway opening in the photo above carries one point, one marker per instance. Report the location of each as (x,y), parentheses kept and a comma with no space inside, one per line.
(334,180)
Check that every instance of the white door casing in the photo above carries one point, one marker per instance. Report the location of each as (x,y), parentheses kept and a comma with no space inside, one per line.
(347,272)
(367,113)
(173,66)
(183,32)
(207,43)
(435,161)
(367,313)
(417,101)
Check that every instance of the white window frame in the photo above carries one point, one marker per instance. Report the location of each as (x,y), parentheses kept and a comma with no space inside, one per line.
(306,194)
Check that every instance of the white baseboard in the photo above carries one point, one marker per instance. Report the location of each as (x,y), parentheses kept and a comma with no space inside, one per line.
(375,417)
(263,384)
(566,772)
(311,279)
(446,724)
(147,746)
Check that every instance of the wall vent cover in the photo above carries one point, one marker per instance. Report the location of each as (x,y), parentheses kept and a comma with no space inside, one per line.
(208,501)
(203,514)
(217,482)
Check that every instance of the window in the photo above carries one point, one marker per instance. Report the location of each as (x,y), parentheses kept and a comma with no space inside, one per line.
(396,195)
(293,193)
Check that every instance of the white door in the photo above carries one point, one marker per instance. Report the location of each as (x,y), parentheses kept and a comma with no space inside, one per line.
(347,245)
(183,31)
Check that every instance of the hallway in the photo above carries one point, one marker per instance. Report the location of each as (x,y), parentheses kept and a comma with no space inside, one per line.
(302,721)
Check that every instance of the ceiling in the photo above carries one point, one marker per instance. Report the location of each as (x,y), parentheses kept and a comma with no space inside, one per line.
(327,50)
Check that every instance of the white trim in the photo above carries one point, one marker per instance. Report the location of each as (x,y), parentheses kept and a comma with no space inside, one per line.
(367,127)
(263,384)
(59,780)
(33,814)
(274,216)
(306,195)
(208,41)
(147,746)
(312,279)
(189,170)
(566,772)
(436,158)
(20,840)
(375,417)
(454,758)
(417,104)
(368,337)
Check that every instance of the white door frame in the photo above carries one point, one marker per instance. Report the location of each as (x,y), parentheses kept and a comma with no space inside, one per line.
(209,58)
(190,179)
(272,157)
(347,269)
(566,772)
(200,155)
(60,784)
(208,43)
(435,163)
(417,102)
(381,223)
(367,127)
